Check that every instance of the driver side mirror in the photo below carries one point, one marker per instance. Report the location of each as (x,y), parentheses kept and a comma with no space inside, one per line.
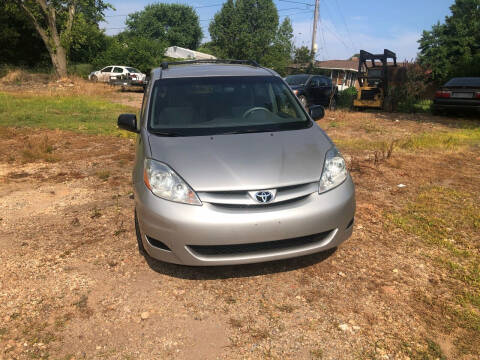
(128,122)
(317,112)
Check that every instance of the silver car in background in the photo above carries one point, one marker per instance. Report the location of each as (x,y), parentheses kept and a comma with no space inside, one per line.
(231,169)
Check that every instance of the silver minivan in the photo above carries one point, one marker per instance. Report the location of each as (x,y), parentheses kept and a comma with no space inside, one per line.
(231,169)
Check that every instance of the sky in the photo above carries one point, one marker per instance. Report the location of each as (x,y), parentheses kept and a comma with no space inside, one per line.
(345,26)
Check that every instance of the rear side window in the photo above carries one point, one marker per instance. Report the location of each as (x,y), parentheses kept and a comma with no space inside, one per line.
(107,69)
(118,70)
(464,81)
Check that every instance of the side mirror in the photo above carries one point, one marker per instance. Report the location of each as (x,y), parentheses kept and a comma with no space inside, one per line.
(317,112)
(128,122)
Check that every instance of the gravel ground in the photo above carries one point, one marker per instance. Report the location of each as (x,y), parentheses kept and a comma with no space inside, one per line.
(73,286)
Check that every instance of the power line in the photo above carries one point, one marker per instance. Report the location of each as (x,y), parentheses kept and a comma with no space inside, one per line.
(339,38)
(352,44)
(296,2)
(293,8)
(297,13)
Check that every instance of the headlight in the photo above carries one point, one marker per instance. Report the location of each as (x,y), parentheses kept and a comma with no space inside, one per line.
(166,184)
(334,171)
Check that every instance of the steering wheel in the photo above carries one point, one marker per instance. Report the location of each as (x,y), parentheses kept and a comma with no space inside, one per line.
(256,108)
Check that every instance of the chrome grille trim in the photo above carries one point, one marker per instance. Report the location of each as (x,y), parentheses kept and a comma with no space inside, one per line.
(243,197)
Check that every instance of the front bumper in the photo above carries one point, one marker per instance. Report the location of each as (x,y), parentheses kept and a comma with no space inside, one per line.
(315,223)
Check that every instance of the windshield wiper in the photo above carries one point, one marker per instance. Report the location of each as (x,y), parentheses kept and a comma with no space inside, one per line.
(245,131)
(165,133)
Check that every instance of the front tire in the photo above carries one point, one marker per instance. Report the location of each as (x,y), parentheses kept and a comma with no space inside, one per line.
(333,104)
(94,78)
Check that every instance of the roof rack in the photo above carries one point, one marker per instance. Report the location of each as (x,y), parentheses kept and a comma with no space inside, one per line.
(164,65)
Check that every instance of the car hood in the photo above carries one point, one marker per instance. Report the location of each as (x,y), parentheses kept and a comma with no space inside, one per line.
(245,161)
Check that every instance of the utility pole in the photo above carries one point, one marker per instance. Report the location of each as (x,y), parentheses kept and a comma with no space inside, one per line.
(313,49)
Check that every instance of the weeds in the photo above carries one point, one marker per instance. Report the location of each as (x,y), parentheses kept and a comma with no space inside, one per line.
(38,150)
(103,174)
(385,152)
(317,353)
(95,213)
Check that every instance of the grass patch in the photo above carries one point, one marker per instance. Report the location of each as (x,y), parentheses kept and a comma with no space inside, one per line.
(438,140)
(442,216)
(75,113)
(448,222)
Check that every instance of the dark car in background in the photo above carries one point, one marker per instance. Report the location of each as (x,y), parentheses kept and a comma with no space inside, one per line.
(458,94)
(313,90)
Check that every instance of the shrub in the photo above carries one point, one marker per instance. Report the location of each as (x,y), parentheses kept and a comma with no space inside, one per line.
(345,97)
(82,70)
(406,96)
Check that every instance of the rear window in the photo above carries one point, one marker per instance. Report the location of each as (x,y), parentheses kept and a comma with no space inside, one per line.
(464,81)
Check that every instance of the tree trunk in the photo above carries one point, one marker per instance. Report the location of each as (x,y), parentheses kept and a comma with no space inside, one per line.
(50,36)
(59,60)
(58,55)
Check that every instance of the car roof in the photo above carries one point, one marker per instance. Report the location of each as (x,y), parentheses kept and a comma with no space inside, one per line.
(206,70)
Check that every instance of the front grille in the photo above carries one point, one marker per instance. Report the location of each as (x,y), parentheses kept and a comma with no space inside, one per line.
(369,94)
(260,206)
(244,199)
(258,248)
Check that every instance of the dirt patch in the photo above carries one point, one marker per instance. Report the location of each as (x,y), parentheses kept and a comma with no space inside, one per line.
(72,284)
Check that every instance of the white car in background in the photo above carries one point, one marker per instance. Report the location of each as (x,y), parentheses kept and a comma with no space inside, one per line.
(114,72)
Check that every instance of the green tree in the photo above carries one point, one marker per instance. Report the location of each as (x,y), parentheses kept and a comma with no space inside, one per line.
(88,40)
(20,43)
(208,48)
(173,24)
(302,55)
(453,48)
(54,19)
(279,54)
(138,52)
(244,29)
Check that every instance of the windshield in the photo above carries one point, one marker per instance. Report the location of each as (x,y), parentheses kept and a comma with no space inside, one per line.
(297,79)
(132,70)
(219,105)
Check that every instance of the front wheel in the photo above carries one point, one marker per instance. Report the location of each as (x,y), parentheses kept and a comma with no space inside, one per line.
(333,104)
(94,78)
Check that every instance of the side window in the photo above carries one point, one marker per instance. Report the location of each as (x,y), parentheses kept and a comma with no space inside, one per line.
(315,82)
(118,70)
(323,81)
(107,69)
